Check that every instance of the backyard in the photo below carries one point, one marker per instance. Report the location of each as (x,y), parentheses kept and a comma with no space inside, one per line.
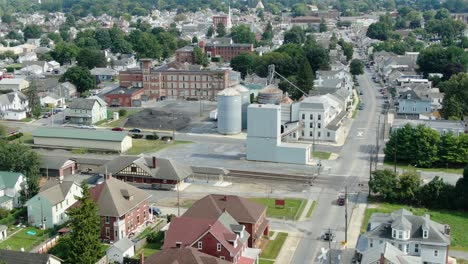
(457,220)
(144,145)
(272,249)
(292,209)
(24,240)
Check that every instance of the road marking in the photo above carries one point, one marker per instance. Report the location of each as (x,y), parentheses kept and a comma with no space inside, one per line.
(360,134)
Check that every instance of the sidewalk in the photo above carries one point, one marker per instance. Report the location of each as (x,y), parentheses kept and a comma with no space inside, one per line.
(289,247)
(357,216)
(303,216)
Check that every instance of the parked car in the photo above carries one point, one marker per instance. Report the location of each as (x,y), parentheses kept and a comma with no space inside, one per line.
(361,107)
(154,210)
(341,199)
(117,129)
(328,236)
(135,130)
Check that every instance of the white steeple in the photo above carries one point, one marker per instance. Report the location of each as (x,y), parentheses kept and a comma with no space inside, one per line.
(229,23)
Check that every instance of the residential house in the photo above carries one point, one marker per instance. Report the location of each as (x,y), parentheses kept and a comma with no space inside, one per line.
(124,62)
(20,257)
(13,84)
(49,207)
(11,184)
(66,90)
(247,213)
(53,166)
(123,208)
(183,255)
(387,253)
(104,74)
(156,172)
(409,102)
(52,100)
(120,249)
(412,235)
(124,97)
(13,106)
(222,237)
(87,110)
(29,56)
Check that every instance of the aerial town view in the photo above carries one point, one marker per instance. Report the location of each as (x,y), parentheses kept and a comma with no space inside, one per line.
(233,131)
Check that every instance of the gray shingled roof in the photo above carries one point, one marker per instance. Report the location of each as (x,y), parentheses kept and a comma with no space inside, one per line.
(123,244)
(82,103)
(53,162)
(18,257)
(54,191)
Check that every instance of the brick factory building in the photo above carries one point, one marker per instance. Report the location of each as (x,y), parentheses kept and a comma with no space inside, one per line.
(220,47)
(124,97)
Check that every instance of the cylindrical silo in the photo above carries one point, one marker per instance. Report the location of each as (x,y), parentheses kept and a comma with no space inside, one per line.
(229,112)
(245,101)
(270,95)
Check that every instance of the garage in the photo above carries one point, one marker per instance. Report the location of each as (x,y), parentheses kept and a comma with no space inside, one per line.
(55,166)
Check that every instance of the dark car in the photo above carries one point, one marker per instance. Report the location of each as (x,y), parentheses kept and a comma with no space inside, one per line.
(328,236)
(341,199)
(117,129)
(135,130)
(154,210)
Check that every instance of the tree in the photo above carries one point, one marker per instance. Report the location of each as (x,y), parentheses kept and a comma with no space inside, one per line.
(437,59)
(210,32)
(7,18)
(323,26)
(20,158)
(64,52)
(295,35)
(442,14)
(70,20)
(91,58)
(267,35)
(85,221)
(120,45)
(305,80)
(55,37)
(244,63)
(145,44)
(195,39)
(384,183)
(81,77)
(436,194)
(103,38)
(44,42)
(356,67)
(32,31)
(242,34)
(461,190)
(379,30)
(33,100)
(454,105)
(347,49)
(220,29)
(317,56)
(409,182)
(199,57)
(299,9)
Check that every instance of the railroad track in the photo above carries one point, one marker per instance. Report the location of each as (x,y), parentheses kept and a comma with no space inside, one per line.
(270,176)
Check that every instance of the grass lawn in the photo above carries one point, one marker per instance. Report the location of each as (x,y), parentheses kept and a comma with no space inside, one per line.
(274,246)
(148,249)
(27,119)
(23,240)
(144,145)
(321,155)
(119,121)
(311,209)
(27,138)
(293,207)
(265,261)
(406,166)
(357,107)
(457,220)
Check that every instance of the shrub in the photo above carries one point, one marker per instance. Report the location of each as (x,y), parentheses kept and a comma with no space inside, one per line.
(169,217)
(137,136)
(155,237)
(15,136)
(122,112)
(154,136)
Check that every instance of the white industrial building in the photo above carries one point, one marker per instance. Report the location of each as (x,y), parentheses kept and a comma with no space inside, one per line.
(264,137)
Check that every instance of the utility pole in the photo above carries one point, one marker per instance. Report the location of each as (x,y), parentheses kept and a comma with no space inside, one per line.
(395,152)
(346,215)
(377,144)
(178,199)
(329,247)
(370,172)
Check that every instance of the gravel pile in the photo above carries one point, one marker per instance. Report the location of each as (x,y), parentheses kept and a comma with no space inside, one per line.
(158,119)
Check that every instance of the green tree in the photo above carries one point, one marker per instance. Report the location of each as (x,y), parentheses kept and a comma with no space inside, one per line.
(317,56)
(384,183)
(409,182)
(244,63)
(210,32)
(55,37)
(442,14)
(200,57)
(267,35)
(145,44)
(449,149)
(7,18)
(91,58)
(295,35)
(85,224)
(347,49)
(44,42)
(305,79)
(81,77)
(299,9)
(220,30)
(120,45)
(103,38)
(242,34)
(323,26)
(64,52)
(436,194)
(70,20)
(32,31)
(33,100)
(379,30)
(356,67)
(195,39)
(454,105)
(461,191)
(437,59)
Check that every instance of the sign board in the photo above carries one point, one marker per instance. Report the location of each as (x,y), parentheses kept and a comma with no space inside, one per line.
(279,202)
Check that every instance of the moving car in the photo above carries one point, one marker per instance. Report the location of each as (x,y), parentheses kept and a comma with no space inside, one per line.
(135,130)
(341,199)
(117,129)
(328,236)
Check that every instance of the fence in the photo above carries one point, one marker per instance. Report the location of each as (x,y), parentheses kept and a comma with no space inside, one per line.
(47,245)
(154,228)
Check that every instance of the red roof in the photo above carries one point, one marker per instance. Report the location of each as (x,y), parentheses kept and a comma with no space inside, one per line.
(244,260)
(186,255)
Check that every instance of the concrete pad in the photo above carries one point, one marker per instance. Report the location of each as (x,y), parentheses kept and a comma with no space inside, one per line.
(289,247)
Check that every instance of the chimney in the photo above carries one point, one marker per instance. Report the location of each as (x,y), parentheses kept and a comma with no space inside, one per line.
(447,230)
(142,257)
(155,163)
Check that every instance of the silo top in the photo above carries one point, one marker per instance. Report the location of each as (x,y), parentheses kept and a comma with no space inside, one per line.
(286,100)
(270,89)
(229,92)
(241,88)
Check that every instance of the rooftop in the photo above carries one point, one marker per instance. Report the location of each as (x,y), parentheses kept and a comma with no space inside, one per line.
(86,134)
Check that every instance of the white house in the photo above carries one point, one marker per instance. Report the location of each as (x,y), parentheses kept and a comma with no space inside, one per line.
(48,207)
(87,111)
(418,236)
(120,249)
(13,84)
(10,187)
(53,100)
(13,106)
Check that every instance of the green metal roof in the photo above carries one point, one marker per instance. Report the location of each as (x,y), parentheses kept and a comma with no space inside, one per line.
(8,179)
(86,134)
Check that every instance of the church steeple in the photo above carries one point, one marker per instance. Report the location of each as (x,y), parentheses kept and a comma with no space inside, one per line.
(229,22)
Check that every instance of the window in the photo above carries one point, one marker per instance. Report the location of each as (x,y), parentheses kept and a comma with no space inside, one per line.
(400,234)
(107,232)
(394,233)
(56,208)
(319,117)
(138,219)
(400,247)
(302,133)
(318,134)
(319,125)
(328,134)
(218,247)
(311,117)
(116,234)
(425,234)
(436,253)
(311,125)
(416,248)
(107,219)
(200,245)
(310,134)
(303,116)
(371,243)
(133,169)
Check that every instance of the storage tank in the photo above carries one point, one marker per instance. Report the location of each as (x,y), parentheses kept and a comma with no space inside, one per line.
(270,95)
(229,112)
(245,101)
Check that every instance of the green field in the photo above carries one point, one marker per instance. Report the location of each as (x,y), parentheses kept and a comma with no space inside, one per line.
(292,210)
(144,145)
(265,261)
(23,240)
(148,250)
(27,138)
(311,209)
(457,220)
(409,167)
(321,155)
(274,246)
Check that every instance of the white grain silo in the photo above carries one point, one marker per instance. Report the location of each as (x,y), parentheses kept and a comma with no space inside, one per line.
(270,95)
(229,112)
(245,101)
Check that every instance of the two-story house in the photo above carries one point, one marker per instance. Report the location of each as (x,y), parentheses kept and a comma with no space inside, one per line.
(412,235)
(123,208)
(11,184)
(247,213)
(87,111)
(49,207)
(13,106)
(409,102)
(13,84)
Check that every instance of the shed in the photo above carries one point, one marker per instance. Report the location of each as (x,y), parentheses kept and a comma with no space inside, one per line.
(57,166)
(122,248)
(82,138)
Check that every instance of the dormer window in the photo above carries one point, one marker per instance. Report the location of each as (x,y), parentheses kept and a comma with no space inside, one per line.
(394,233)
(425,233)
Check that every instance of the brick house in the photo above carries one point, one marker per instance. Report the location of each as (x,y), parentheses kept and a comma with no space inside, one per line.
(185,54)
(124,97)
(183,255)
(222,237)
(176,80)
(144,171)
(247,213)
(123,208)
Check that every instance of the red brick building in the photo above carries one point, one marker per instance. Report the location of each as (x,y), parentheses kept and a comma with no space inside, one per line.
(123,208)
(227,51)
(176,80)
(125,96)
(247,213)
(183,255)
(185,54)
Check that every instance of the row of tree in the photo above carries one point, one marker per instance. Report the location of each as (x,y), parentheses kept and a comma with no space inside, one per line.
(408,188)
(422,146)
